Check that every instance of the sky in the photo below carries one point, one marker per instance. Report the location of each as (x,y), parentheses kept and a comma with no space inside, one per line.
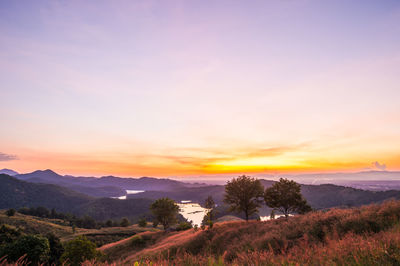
(186,88)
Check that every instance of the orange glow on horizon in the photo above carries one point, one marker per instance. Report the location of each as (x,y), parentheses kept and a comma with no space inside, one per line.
(165,165)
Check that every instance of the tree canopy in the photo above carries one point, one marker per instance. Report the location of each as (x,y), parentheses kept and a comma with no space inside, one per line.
(244,194)
(35,247)
(208,218)
(165,211)
(79,250)
(285,196)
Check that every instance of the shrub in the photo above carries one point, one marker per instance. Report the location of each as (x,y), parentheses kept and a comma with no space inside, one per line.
(36,249)
(124,222)
(79,250)
(142,222)
(56,249)
(183,226)
(138,241)
(10,212)
(109,223)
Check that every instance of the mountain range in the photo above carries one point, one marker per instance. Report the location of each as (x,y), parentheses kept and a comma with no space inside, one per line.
(91,195)
(15,193)
(106,186)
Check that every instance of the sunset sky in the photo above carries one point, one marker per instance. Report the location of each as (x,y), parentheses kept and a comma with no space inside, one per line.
(177,88)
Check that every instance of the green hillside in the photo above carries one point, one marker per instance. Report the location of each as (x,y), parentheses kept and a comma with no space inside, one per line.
(43,226)
(16,194)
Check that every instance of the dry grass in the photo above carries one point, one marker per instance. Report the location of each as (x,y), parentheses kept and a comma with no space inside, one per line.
(364,236)
(36,225)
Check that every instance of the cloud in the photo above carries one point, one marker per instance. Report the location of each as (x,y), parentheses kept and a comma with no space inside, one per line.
(7,157)
(379,166)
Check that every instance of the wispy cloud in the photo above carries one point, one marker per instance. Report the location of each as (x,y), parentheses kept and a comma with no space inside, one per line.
(7,157)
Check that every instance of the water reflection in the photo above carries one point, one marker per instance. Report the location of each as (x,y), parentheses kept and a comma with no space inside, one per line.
(128,191)
(192,211)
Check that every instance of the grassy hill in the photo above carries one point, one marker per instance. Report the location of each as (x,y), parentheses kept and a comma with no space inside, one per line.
(35,225)
(368,235)
(16,193)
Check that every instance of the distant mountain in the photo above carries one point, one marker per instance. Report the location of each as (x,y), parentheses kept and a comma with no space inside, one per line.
(65,196)
(16,194)
(106,186)
(318,196)
(341,178)
(8,172)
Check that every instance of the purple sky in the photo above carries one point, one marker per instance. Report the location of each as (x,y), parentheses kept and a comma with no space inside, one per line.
(199,87)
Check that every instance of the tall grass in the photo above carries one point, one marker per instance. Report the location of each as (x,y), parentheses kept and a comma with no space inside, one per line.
(364,236)
(368,235)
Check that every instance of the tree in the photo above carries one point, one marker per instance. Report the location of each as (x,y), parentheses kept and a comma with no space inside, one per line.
(165,211)
(243,194)
(36,249)
(109,223)
(56,249)
(142,222)
(79,250)
(285,196)
(210,205)
(10,212)
(124,222)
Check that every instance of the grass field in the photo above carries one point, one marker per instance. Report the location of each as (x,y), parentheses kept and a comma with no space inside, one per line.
(36,225)
(368,235)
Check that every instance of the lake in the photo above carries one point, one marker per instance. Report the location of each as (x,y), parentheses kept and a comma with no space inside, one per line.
(189,210)
(266,218)
(128,191)
(192,211)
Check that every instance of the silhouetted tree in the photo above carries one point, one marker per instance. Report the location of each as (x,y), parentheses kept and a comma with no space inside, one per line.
(10,212)
(142,222)
(209,204)
(124,222)
(285,196)
(165,211)
(109,223)
(244,194)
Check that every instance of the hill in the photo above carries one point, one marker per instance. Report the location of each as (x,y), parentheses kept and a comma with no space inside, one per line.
(35,225)
(361,236)
(8,172)
(106,186)
(318,196)
(15,193)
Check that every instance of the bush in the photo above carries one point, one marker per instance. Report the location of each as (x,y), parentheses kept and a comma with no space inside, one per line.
(10,212)
(124,222)
(56,249)
(109,223)
(138,241)
(183,226)
(8,234)
(142,222)
(79,250)
(36,249)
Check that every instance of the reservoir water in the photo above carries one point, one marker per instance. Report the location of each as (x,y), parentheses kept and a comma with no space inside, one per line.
(266,218)
(128,191)
(189,210)
(192,211)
